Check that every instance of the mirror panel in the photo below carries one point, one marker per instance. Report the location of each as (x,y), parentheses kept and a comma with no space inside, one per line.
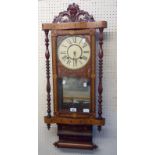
(74,94)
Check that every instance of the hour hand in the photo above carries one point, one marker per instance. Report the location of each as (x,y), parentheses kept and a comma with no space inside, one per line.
(74,53)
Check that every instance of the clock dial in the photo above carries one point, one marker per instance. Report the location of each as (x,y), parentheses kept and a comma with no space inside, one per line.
(74,52)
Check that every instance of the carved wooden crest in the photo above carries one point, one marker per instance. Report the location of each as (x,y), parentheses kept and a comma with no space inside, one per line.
(73,14)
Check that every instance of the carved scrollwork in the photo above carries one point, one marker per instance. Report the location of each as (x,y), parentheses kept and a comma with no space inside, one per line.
(73,14)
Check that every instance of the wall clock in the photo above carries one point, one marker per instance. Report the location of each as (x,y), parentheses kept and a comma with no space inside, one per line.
(74,77)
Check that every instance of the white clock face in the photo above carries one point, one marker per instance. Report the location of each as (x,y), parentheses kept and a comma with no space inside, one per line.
(74,52)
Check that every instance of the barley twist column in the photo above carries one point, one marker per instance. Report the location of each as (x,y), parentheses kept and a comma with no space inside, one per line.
(48,86)
(100,89)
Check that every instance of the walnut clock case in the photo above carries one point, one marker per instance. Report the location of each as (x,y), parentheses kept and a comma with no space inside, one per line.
(74,58)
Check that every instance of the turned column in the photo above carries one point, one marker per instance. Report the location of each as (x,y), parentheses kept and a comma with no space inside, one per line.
(100,88)
(48,86)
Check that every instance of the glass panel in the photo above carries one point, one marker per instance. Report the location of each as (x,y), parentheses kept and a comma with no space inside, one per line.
(73,52)
(74,94)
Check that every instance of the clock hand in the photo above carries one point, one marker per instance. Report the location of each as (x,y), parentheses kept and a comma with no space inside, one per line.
(74,58)
(74,53)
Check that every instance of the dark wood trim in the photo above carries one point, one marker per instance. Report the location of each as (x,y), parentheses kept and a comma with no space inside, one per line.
(74,25)
(73,32)
(71,134)
(54,71)
(76,121)
(75,145)
(93,73)
(84,72)
(67,114)
(63,132)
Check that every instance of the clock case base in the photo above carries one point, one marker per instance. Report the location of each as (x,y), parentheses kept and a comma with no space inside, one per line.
(75,136)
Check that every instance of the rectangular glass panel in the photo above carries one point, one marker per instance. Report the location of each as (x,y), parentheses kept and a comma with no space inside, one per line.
(74,94)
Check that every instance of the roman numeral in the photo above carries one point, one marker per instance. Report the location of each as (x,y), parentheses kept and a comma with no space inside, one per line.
(74,39)
(64,57)
(84,58)
(85,51)
(80,62)
(69,61)
(84,45)
(74,62)
(63,52)
(64,46)
(68,41)
(80,41)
